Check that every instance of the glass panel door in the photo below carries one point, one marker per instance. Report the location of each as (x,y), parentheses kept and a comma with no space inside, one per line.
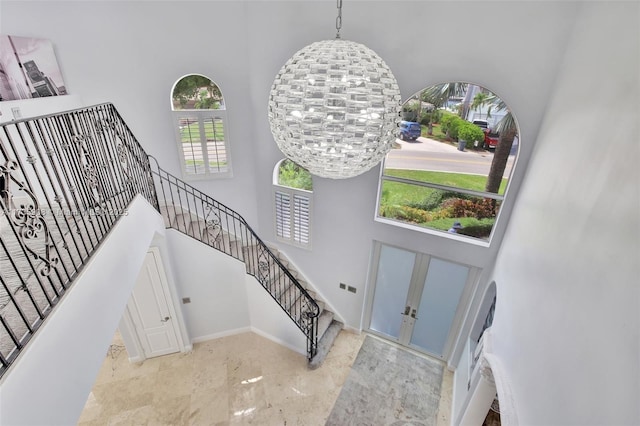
(437,305)
(416,298)
(393,280)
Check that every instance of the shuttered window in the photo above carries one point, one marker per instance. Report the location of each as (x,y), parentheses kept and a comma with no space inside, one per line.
(200,116)
(202,143)
(293,208)
(293,216)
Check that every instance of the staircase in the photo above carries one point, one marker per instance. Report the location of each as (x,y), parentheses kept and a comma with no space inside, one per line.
(328,326)
(84,167)
(186,209)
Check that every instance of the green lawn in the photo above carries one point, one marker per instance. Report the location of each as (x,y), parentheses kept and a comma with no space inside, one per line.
(191,163)
(457,180)
(192,132)
(423,206)
(437,134)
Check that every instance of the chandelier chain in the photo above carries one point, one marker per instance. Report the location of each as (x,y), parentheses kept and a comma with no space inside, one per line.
(339,18)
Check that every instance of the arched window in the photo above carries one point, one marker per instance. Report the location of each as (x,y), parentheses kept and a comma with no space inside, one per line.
(293,202)
(200,117)
(456,149)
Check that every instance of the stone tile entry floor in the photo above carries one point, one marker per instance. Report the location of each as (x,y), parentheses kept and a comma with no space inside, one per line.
(242,379)
(388,385)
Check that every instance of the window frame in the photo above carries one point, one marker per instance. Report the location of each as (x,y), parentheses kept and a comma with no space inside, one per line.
(202,115)
(432,231)
(292,194)
(479,194)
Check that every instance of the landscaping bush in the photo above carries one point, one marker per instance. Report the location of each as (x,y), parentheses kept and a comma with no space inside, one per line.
(405,213)
(477,231)
(470,133)
(478,208)
(292,175)
(435,199)
(449,124)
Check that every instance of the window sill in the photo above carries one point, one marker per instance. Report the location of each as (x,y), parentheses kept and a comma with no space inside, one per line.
(443,234)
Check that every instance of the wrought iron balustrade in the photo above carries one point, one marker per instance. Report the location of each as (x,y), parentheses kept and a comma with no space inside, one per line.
(65,180)
(194,213)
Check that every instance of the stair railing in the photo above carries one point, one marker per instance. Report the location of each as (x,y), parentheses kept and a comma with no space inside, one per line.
(65,180)
(194,213)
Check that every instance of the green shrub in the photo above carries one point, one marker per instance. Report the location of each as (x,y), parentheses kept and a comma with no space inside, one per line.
(434,199)
(405,213)
(477,231)
(478,208)
(470,132)
(292,175)
(450,125)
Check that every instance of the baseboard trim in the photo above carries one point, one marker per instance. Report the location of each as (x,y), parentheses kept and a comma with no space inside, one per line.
(278,341)
(225,333)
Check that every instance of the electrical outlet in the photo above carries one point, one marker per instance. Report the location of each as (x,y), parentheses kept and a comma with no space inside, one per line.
(186,300)
(17,114)
(343,286)
(351,289)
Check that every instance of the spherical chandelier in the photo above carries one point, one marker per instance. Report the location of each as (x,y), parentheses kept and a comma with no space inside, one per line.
(334,107)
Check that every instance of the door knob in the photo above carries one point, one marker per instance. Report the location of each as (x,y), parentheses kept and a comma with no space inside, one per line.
(413,314)
(406,310)
(165,319)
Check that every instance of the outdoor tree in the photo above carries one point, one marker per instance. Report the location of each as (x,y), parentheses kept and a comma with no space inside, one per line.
(508,129)
(190,88)
(479,101)
(440,94)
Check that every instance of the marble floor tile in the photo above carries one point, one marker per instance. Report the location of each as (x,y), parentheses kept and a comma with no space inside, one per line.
(244,379)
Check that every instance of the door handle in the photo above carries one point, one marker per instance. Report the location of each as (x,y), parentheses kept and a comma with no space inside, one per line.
(165,319)
(413,314)
(406,310)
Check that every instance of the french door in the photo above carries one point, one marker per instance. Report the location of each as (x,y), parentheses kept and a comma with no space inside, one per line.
(416,299)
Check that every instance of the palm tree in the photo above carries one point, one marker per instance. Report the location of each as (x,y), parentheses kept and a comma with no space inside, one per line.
(439,94)
(508,129)
(480,100)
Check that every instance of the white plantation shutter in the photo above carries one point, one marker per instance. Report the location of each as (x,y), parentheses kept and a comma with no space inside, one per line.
(283,215)
(203,143)
(301,219)
(293,215)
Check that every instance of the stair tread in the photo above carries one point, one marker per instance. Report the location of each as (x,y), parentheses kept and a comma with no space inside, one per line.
(324,321)
(325,343)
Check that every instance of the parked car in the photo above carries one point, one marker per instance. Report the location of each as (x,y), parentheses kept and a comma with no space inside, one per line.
(409,130)
(484,124)
(491,138)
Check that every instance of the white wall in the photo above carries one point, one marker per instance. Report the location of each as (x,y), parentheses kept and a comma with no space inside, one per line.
(215,284)
(224,299)
(131,53)
(567,325)
(269,320)
(34,107)
(423,43)
(50,381)
(569,292)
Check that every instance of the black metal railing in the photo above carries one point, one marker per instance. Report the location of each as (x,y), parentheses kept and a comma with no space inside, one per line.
(65,180)
(194,213)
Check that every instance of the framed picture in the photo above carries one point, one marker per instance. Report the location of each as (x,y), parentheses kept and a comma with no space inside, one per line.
(28,69)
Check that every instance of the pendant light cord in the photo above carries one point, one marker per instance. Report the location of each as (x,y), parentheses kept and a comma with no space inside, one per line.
(339,19)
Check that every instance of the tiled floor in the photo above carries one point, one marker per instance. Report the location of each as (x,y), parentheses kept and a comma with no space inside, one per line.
(240,379)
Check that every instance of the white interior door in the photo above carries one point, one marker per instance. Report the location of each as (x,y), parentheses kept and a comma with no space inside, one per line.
(150,309)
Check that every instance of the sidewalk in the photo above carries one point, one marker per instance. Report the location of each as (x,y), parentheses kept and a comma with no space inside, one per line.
(432,145)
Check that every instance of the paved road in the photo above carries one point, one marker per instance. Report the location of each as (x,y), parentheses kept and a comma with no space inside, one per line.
(429,154)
